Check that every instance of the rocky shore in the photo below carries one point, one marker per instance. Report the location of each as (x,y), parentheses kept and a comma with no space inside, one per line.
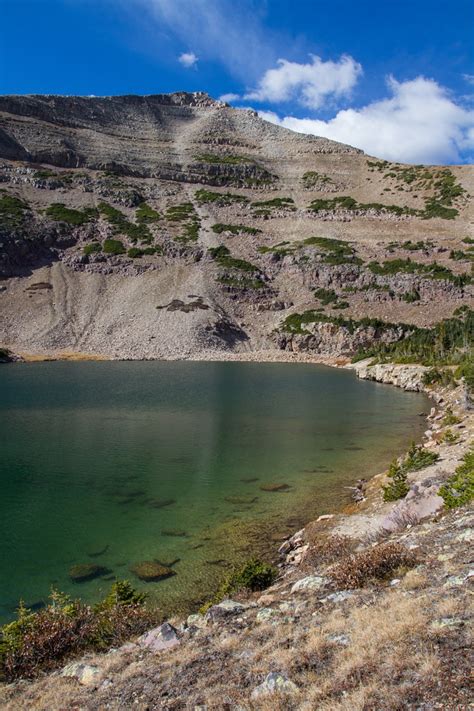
(335,632)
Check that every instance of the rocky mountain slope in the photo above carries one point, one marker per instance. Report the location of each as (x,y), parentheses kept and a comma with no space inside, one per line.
(175,226)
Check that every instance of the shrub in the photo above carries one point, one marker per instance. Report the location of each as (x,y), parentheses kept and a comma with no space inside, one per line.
(12,211)
(146,214)
(336,251)
(398,487)
(204,197)
(123,226)
(418,458)
(135,252)
(312,178)
(447,342)
(92,248)
(113,246)
(450,437)
(40,641)
(60,213)
(181,212)
(234,229)
(222,159)
(326,296)
(376,564)
(459,488)
(323,551)
(466,371)
(411,296)
(278,202)
(253,575)
(450,418)
(440,376)
(222,255)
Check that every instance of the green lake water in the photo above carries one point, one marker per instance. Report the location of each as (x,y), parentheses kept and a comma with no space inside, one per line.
(91,452)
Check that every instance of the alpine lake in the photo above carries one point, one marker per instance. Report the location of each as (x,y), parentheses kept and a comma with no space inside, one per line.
(193,465)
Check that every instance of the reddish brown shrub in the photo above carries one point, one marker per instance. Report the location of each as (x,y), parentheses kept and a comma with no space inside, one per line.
(378,563)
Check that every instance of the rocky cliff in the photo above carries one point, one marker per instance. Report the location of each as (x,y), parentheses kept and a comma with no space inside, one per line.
(175,226)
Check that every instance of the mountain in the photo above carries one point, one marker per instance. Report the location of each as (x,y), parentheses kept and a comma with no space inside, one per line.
(173,225)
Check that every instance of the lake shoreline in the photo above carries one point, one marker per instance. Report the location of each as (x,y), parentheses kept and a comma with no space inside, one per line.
(274,526)
(304,610)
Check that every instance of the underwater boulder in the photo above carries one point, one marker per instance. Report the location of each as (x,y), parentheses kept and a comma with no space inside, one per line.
(151,571)
(87,571)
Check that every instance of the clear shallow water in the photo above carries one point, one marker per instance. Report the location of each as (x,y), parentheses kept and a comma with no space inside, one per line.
(89,452)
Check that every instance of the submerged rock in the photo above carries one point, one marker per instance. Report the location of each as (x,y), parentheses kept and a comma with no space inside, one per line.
(87,571)
(173,532)
(151,571)
(275,487)
(241,499)
(160,503)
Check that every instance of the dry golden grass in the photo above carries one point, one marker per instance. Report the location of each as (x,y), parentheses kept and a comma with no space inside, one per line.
(414,580)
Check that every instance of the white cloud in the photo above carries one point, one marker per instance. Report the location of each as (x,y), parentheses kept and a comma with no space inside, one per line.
(226,31)
(188,59)
(419,123)
(309,84)
(469,78)
(229,97)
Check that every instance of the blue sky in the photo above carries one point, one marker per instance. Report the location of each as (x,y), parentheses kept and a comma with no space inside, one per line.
(394,77)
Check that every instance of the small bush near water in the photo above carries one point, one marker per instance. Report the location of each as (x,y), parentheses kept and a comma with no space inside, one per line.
(376,564)
(252,576)
(459,488)
(41,641)
(417,458)
(398,487)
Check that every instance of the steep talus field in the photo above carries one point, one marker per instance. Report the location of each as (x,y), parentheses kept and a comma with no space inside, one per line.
(176,226)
